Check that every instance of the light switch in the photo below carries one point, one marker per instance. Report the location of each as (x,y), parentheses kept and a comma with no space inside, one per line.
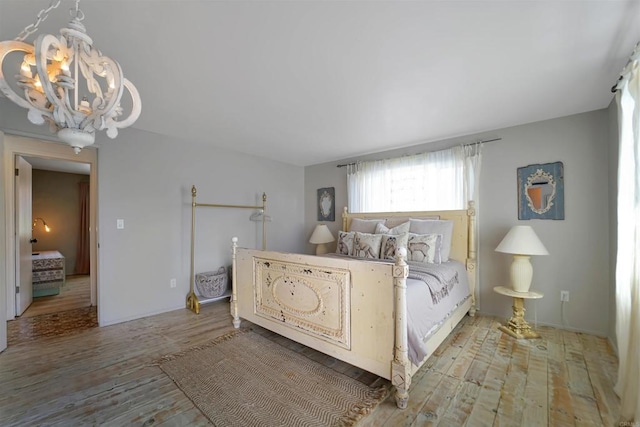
(120,224)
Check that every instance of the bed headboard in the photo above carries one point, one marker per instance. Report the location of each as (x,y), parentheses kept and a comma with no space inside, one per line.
(463,242)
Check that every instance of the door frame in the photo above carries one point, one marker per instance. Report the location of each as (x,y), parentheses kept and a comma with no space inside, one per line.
(22,146)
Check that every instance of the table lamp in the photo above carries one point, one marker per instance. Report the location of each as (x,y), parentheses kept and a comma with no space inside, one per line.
(46,227)
(521,241)
(321,236)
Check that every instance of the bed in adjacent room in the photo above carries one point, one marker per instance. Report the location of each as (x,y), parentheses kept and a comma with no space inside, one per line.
(395,288)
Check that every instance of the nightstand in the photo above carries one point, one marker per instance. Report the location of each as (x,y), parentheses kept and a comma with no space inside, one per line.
(517,327)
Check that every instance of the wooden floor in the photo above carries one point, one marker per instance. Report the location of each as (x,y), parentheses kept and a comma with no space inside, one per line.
(76,293)
(478,377)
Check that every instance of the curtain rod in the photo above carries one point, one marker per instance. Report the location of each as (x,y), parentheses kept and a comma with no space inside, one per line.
(471,143)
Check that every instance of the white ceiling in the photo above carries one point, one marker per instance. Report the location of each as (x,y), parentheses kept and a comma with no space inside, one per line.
(307,82)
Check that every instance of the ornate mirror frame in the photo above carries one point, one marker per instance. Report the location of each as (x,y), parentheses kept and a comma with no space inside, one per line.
(326,204)
(540,176)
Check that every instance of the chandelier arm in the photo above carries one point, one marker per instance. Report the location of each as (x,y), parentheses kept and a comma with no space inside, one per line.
(136,108)
(6,48)
(61,111)
(37,113)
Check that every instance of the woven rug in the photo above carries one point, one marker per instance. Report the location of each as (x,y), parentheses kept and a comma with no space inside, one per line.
(244,379)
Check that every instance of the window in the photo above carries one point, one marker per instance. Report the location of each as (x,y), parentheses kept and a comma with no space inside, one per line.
(437,180)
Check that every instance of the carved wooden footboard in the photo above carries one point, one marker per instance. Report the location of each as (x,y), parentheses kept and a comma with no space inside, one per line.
(342,307)
(351,309)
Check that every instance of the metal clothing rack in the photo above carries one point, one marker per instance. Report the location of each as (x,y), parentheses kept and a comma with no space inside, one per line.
(192,299)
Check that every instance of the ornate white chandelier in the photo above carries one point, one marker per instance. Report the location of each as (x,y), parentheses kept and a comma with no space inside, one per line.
(69,83)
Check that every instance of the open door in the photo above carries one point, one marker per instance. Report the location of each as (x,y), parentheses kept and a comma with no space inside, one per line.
(4,265)
(24,273)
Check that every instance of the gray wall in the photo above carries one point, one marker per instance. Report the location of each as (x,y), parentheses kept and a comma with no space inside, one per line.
(146,180)
(579,245)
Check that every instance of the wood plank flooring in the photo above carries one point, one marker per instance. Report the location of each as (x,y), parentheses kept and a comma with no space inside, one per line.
(76,293)
(477,377)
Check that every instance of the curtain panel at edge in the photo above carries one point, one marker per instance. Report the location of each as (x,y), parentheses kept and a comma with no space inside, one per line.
(627,262)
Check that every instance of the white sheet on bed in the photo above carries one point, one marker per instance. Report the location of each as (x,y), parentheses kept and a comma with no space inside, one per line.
(423,316)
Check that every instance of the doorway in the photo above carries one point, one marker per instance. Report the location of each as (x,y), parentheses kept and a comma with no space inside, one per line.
(43,152)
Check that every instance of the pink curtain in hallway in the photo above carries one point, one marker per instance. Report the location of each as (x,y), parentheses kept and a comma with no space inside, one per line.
(83,260)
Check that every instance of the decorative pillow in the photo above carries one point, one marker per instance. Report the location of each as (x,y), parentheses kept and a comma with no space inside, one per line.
(366,245)
(430,226)
(392,242)
(422,247)
(345,243)
(402,228)
(365,225)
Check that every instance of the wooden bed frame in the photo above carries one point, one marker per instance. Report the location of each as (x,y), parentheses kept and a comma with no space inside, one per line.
(351,309)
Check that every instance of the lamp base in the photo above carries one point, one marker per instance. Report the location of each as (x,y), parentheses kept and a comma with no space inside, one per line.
(321,249)
(521,273)
(517,327)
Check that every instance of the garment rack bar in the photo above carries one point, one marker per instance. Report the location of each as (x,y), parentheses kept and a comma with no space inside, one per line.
(213,205)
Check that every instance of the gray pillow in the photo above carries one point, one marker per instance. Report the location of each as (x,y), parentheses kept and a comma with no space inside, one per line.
(399,229)
(397,220)
(365,225)
(431,226)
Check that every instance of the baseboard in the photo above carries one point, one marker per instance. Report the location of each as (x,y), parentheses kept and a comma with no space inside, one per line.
(140,316)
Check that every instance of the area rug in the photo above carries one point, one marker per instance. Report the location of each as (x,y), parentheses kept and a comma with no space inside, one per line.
(244,379)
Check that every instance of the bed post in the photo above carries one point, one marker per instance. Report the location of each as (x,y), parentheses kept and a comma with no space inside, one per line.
(234,290)
(264,221)
(344,219)
(471,252)
(401,367)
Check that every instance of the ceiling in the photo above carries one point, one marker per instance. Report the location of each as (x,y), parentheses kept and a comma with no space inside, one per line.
(306,82)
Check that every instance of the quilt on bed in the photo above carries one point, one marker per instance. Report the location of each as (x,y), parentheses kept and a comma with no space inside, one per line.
(433,293)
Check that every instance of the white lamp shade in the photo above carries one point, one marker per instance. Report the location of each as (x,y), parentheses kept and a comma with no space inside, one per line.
(321,234)
(522,240)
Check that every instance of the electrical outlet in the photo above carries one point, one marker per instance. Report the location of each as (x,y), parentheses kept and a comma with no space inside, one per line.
(120,224)
(172,283)
(564,296)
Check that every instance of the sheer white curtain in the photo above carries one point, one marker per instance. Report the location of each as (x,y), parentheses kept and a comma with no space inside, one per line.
(627,265)
(439,180)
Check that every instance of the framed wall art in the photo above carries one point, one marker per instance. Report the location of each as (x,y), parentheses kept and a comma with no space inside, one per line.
(541,191)
(326,204)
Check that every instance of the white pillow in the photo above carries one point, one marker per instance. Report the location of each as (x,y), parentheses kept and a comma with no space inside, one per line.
(345,243)
(366,245)
(422,248)
(390,243)
(365,225)
(430,226)
(397,230)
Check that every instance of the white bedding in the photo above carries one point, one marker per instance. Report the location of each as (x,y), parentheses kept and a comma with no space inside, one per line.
(423,316)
